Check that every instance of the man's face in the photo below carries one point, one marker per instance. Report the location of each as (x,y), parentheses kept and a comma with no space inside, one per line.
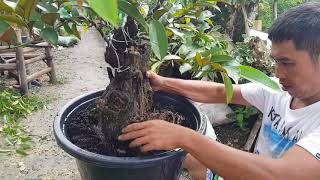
(297,72)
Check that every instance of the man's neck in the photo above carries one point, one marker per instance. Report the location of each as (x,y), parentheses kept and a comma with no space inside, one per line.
(297,103)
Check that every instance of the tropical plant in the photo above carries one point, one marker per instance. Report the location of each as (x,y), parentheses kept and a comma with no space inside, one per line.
(197,46)
(254,52)
(44,18)
(242,114)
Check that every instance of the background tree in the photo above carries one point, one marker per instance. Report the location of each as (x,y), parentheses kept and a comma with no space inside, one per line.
(282,6)
(240,22)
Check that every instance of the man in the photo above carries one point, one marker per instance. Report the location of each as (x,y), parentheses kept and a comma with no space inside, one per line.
(288,146)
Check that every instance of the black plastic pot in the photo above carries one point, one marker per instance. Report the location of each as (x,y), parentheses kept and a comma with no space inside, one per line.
(163,166)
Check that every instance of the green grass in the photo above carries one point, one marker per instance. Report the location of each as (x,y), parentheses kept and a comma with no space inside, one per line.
(13,109)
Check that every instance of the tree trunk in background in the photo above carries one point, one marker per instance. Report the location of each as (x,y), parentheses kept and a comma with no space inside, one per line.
(235,27)
(275,9)
(245,20)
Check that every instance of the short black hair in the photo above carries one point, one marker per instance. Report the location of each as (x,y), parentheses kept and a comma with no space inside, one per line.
(302,26)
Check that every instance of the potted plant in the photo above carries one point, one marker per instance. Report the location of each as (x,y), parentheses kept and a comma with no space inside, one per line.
(157,166)
(127,99)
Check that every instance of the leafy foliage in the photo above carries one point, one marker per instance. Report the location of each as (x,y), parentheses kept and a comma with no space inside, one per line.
(241,115)
(283,6)
(194,40)
(45,18)
(200,48)
(13,108)
(158,39)
(111,14)
(254,52)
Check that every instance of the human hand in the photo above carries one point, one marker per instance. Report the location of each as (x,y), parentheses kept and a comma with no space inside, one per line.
(155,135)
(156,81)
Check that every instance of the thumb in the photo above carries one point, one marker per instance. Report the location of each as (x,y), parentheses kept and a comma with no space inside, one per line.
(149,74)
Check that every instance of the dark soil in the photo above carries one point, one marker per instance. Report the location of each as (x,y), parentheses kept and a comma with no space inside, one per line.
(232,135)
(84,131)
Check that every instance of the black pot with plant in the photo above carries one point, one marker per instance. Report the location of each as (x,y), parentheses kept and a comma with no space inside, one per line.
(163,165)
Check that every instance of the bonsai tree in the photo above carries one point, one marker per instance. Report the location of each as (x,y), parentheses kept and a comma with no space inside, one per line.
(128,98)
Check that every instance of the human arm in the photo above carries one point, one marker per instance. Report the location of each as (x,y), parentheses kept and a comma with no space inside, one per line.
(200,91)
(230,163)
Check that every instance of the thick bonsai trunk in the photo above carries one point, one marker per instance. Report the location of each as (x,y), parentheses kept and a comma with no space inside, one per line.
(129,96)
(127,99)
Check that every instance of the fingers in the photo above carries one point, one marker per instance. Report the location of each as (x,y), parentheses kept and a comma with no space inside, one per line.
(134,131)
(149,74)
(139,142)
(134,127)
(148,147)
(132,135)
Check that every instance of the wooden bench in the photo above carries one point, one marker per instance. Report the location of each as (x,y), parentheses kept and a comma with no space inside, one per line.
(15,61)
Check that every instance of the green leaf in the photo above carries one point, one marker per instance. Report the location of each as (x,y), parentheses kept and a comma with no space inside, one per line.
(177,32)
(122,19)
(205,15)
(229,87)
(158,39)
(64,14)
(75,13)
(21,152)
(68,29)
(50,35)
(75,31)
(233,72)
(50,18)
(185,67)
(108,10)
(205,69)
(7,33)
(47,7)
(36,20)
(157,15)
(3,27)
(5,7)
(155,66)
(26,7)
(259,77)
(133,12)
(13,19)
(171,57)
(221,58)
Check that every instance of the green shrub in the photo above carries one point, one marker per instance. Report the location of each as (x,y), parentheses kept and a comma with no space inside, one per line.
(13,108)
